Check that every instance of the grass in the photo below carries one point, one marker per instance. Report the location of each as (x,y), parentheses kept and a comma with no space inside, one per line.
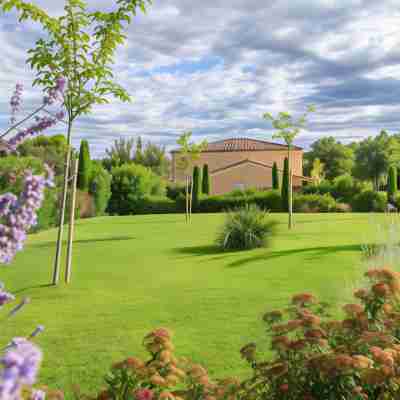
(132,274)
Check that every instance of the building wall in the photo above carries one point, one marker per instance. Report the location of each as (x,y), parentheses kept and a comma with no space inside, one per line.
(245,176)
(216,160)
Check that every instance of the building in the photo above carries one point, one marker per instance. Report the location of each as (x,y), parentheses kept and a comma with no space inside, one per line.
(243,163)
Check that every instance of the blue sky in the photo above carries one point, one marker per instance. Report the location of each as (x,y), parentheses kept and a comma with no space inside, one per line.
(214,67)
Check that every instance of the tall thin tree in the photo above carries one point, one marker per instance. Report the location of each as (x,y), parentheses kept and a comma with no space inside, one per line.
(275,176)
(205,185)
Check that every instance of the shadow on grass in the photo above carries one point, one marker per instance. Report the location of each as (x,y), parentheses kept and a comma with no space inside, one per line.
(33,287)
(315,252)
(198,250)
(83,241)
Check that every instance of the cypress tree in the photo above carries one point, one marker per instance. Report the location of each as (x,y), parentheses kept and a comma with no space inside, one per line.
(392,183)
(206,180)
(285,185)
(84,166)
(196,187)
(275,177)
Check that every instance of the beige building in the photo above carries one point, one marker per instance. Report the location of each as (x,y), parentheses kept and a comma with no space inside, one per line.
(243,163)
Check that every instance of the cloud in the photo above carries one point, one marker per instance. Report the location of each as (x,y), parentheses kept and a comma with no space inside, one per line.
(215,66)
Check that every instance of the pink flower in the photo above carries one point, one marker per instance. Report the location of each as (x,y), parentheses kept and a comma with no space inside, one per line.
(144,394)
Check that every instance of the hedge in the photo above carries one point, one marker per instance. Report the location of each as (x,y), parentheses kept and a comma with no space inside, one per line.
(369,201)
(314,203)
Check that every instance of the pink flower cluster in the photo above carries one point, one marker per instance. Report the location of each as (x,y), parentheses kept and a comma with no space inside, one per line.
(20,214)
(55,93)
(15,102)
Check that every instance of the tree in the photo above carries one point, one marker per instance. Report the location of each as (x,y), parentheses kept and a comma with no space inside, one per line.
(205,186)
(188,154)
(78,48)
(275,176)
(318,171)
(287,128)
(139,151)
(196,187)
(374,156)
(155,158)
(337,158)
(285,185)
(121,151)
(84,171)
(392,183)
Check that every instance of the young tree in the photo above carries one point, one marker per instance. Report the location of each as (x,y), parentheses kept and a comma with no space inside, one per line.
(205,184)
(84,170)
(392,183)
(285,185)
(138,158)
(287,128)
(121,152)
(79,46)
(275,177)
(317,171)
(188,154)
(196,187)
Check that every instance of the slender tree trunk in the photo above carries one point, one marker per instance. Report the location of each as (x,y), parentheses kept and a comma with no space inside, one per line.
(57,261)
(71,221)
(290,191)
(191,200)
(187,200)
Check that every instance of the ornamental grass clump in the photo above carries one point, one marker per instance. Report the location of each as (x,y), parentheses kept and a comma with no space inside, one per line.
(246,228)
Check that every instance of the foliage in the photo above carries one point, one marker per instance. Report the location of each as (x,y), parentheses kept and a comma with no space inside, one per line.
(285,185)
(275,177)
(368,201)
(246,228)
(392,183)
(374,156)
(130,184)
(337,158)
(345,187)
(158,205)
(174,190)
(196,191)
(84,171)
(100,187)
(206,184)
(50,149)
(120,153)
(323,188)
(317,171)
(314,203)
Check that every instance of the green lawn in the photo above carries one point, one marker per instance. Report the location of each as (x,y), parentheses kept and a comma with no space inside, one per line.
(132,274)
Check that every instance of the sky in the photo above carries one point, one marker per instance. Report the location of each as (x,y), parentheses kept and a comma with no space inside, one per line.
(214,67)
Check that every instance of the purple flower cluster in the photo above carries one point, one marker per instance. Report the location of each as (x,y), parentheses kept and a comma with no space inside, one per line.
(20,214)
(5,298)
(20,366)
(15,102)
(40,125)
(55,93)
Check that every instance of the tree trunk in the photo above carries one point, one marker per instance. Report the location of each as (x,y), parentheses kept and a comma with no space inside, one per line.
(71,222)
(187,200)
(191,200)
(57,261)
(290,191)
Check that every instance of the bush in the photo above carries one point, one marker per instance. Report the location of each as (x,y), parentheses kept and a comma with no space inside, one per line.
(100,187)
(246,228)
(157,205)
(392,183)
(369,201)
(325,187)
(84,168)
(285,185)
(314,203)
(345,188)
(174,190)
(130,184)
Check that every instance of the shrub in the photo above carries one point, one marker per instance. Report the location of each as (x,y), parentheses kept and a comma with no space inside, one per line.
(392,183)
(100,187)
(342,207)
(325,187)
(84,172)
(196,188)
(206,184)
(173,190)
(344,188)
(158,205)
(313,203)
(130,184)
(369,201)
(275,177)
(246,228)
(285,185)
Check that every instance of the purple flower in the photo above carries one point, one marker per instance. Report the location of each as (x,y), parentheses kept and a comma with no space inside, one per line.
(38,395)
(56,93)
(18,215)
(15,101)
(20,366)
(5,298)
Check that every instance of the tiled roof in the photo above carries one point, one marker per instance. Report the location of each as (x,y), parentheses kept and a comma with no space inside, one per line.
(244,144)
